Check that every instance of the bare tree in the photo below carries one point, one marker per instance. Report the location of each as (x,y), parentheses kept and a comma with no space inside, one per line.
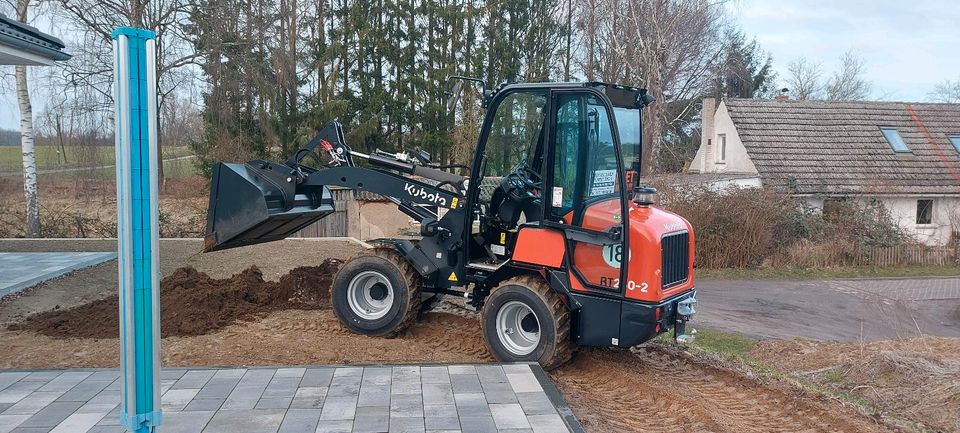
(803,79)
(847,83)
(30,190)
(666,46)
(946,92)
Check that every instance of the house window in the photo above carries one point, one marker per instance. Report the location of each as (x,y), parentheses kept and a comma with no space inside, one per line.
(722,155)
(924,211)
(955,140)
(895,140)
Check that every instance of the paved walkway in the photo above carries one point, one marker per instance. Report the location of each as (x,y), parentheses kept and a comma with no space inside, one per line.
(464,398)
(847,310)
(21,270)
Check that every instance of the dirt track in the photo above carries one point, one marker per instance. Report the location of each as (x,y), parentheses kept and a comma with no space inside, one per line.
(654,390)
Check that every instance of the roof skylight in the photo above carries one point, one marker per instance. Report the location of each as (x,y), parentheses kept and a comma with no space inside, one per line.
(895,140)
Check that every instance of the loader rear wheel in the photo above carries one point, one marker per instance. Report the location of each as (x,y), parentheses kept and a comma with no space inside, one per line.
(376,293)
(524,321)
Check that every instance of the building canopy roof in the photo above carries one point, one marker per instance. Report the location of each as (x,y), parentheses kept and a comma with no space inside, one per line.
(21,44)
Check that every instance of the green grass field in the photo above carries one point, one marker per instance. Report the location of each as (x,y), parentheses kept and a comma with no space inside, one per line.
(47,158)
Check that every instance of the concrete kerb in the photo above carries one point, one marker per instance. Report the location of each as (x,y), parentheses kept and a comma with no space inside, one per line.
(101,257)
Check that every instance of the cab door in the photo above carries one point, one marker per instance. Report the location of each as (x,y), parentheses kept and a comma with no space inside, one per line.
(585,192)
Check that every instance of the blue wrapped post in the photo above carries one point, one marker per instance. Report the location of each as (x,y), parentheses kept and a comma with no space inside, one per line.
(138,227)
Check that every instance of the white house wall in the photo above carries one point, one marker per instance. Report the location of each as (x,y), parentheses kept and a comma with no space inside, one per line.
(736,159)
(903,211)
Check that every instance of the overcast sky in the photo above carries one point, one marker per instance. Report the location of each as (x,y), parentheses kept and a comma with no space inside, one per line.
(909,45)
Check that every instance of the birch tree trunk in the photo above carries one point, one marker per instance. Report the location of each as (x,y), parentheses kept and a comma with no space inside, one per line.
(26,140)
(29,157)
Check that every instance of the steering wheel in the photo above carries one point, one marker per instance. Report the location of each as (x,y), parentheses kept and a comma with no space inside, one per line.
(529,177)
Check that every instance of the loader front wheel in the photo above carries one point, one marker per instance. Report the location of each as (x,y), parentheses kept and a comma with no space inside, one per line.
(376,293)
(524,321)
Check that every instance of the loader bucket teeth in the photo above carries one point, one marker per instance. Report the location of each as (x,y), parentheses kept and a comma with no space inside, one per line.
(257,202)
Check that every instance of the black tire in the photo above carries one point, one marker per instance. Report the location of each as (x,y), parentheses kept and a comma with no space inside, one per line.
(404,285)
(551,316)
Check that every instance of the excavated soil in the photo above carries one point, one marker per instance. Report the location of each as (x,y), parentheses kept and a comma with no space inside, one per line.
(244,320)
(914,381)
(193,303)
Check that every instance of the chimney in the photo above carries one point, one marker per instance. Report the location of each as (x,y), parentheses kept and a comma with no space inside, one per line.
(706,134)
(784,95)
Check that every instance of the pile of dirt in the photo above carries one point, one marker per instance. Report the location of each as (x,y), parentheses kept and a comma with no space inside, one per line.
(908,381)
(193,303)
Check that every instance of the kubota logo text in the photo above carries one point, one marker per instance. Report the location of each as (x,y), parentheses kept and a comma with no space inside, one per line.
(420,192)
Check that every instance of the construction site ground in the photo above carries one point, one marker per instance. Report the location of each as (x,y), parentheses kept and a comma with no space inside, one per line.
(278,314)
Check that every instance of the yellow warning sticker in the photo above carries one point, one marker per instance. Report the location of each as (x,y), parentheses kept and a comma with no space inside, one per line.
(453,277)
(503,238)
(453,203)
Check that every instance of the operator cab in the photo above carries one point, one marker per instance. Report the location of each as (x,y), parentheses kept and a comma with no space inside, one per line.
(519,150)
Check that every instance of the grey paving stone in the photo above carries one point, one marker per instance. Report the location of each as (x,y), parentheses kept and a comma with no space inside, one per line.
(462,369)
(43,376)
(406,425)
(282,386)
(243,397)
(32,403)
(348,371)
(377,375)
(437,393)
(371,419)
(524,382)
(535,403)
(434,374)
(194,379)
(185,422)
(9,422)
(52,414)
(406,405)
(85,390)
(65,381)
(177,399)
(172,373)
(406,372)
(439,410)
(491,374)
(31,430)
(204,404)
(344,386)
(17,391)
(309,398)
(315,377)
(296,372)
(499,392)
(274,402)
(477,424)
(218,388)
(516,368)
(339,408)
(112,418)
(256,420)
(9,378)
(470,399)
(229,373)
(109,429)
(463,383)
(515,430)
(300,420)
(335,426)
(78,422)
(442,423)
(5,406)
(374,395)
(115,386)
(108,375)
(404,387)
(550,423)
(104,408)
(509,416)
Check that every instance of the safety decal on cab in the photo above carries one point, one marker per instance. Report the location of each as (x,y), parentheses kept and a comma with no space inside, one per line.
(613,255)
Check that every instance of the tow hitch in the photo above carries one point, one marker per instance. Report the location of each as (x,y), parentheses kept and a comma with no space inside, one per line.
(685,311)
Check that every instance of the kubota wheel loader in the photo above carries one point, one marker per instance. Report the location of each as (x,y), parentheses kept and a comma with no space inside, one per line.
(548,237)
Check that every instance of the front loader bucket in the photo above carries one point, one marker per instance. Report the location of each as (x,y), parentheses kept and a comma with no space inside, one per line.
(254,202)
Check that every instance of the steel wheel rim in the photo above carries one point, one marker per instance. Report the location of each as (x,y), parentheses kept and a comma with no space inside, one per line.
(514,328)
(361,295)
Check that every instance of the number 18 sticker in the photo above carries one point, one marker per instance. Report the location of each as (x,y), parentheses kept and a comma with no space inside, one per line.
(613,255)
